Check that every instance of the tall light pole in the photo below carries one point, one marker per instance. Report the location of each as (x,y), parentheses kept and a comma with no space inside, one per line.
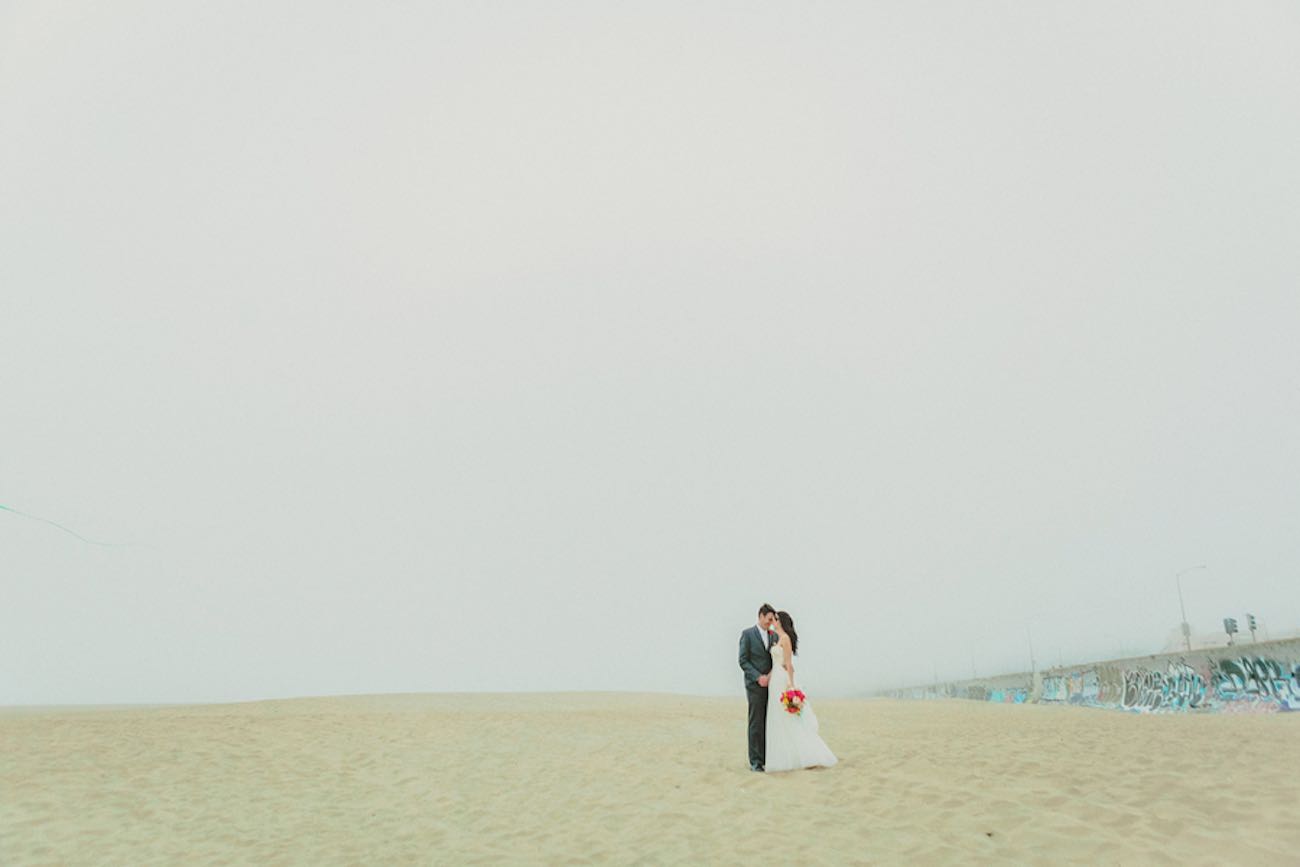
(1178,582)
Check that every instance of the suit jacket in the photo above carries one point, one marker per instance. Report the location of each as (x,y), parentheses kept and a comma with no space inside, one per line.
(755,658)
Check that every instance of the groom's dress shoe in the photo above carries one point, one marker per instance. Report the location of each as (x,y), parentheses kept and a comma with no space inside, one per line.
(758,768)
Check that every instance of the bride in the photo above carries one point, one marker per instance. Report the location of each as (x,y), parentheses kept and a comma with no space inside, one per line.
(792,740)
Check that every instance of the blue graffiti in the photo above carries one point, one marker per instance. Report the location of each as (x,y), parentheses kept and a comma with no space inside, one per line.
(1258,680)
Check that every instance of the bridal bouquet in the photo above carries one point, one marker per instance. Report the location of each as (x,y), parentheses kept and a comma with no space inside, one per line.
(793,700)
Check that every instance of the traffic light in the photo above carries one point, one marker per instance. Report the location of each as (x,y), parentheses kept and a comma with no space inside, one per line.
(1230,627)
(1250,623)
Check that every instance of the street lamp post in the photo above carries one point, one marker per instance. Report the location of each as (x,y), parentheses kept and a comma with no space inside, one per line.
(1178,582)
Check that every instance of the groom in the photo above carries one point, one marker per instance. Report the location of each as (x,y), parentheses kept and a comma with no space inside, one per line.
(756,662)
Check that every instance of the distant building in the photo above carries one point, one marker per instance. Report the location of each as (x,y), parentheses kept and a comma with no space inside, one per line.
(1201,640)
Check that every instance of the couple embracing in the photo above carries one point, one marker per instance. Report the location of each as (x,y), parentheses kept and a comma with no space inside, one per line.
(779,739)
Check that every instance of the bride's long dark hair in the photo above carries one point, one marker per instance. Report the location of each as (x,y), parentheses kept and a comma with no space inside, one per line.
(787,623)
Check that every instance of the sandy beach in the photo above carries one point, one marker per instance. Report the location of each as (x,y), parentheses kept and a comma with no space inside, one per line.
(638,779)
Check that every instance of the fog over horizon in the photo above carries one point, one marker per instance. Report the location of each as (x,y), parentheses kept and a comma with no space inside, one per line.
(491,347)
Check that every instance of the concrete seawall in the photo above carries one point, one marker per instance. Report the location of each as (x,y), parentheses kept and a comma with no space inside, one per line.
(1245,678)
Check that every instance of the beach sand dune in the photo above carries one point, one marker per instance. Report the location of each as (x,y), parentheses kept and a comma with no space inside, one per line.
(636,779)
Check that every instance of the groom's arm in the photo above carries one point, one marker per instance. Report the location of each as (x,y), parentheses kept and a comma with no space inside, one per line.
(751,671)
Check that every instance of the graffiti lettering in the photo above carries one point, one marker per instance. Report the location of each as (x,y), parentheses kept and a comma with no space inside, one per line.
(1179,687)
(1202,681)
(1260,679)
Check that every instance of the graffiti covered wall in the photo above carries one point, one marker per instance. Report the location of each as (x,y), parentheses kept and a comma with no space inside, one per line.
(1246,678)
(1006,689)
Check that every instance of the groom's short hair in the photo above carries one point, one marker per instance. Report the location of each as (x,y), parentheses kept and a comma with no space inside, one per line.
(766,609)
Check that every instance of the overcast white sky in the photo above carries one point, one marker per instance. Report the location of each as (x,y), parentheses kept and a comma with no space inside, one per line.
(503,346)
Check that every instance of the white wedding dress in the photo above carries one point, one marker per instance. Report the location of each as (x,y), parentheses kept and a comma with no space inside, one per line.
(792,739)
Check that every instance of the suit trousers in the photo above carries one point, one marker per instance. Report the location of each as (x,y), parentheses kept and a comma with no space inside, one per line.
(757,696)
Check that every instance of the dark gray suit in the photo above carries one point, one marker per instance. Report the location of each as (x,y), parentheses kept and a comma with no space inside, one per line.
(755,660)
